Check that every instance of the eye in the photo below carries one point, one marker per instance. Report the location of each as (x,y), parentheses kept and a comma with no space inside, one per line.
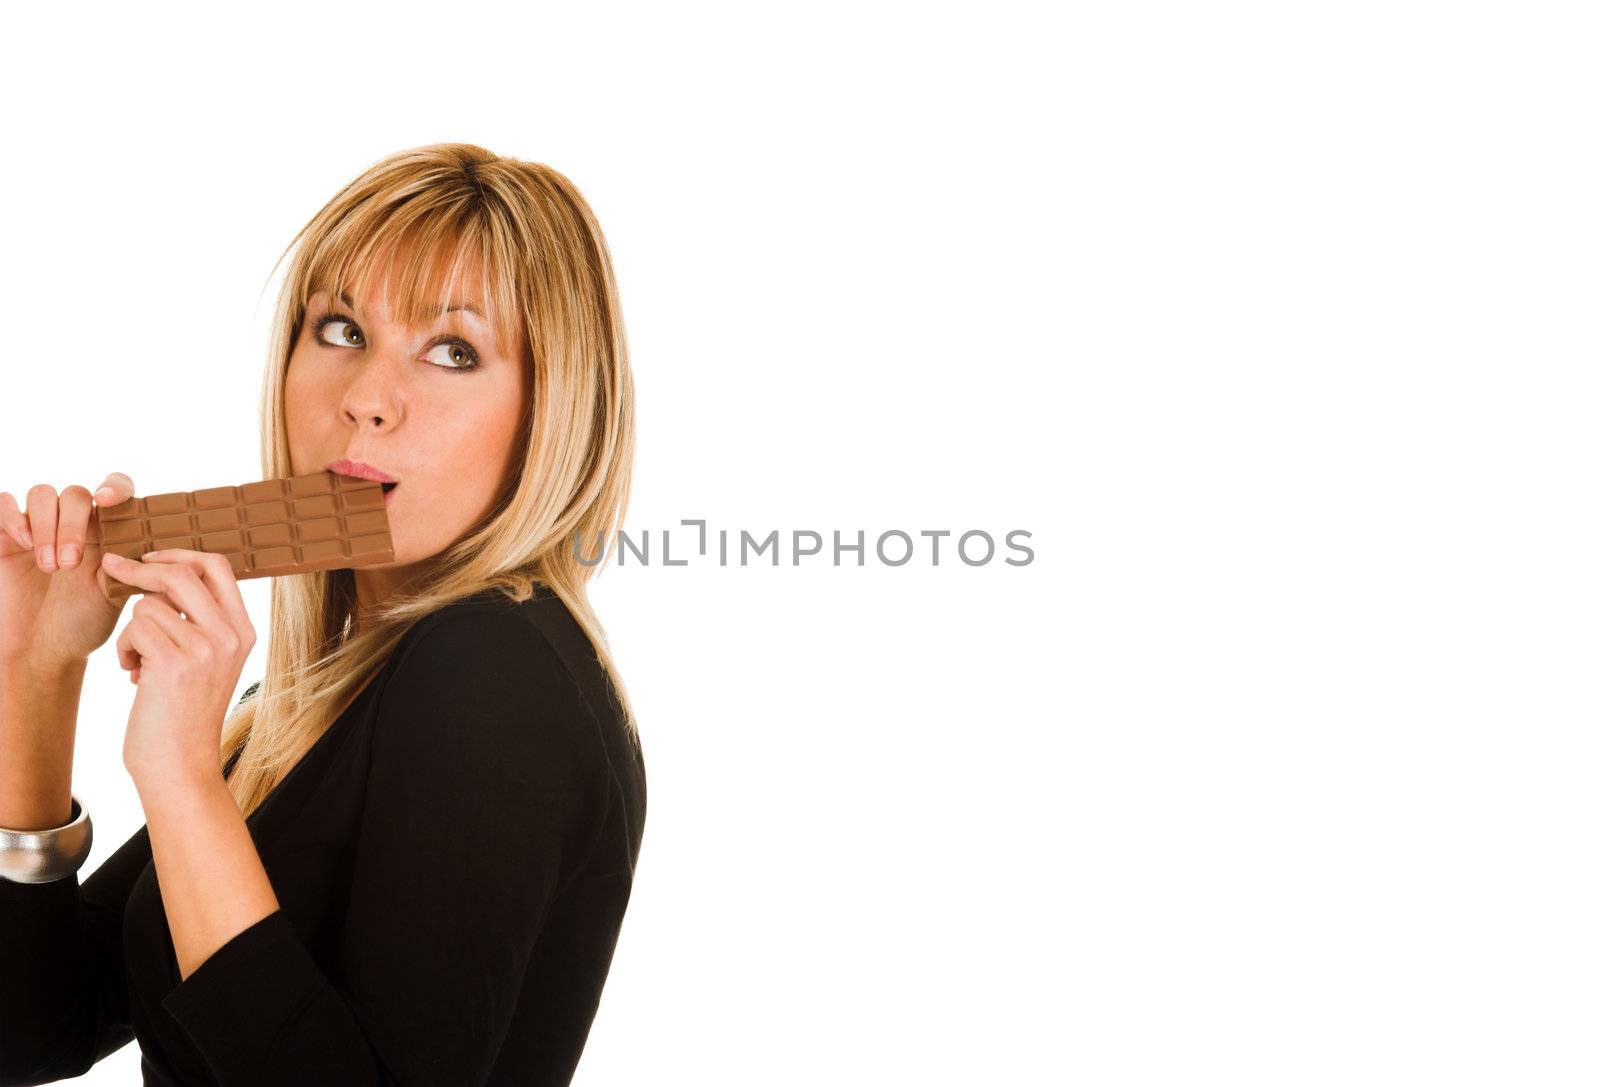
(458,354)
(352,335)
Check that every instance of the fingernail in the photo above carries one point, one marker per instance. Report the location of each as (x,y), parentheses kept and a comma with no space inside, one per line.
(47,556)
(27,538)
(103,493)
(69,556)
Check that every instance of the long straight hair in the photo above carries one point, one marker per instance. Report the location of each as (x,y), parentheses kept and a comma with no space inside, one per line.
(545,274)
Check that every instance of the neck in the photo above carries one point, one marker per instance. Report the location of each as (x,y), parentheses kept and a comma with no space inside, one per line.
(373,587)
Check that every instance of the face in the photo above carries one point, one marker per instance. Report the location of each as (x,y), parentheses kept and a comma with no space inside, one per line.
(436,407)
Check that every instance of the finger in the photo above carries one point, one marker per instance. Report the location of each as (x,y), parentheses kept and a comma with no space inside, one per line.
(216,572)
(108,583)
(15,526)
(127,656)
(42,523)
(143,640)
(72,525)
(127,659)
(176,579)
(141,644)
(117,488)
(182,633)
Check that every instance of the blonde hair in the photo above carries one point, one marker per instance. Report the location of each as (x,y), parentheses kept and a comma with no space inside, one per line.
(545,274)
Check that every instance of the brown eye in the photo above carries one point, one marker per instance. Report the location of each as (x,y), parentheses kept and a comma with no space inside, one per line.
(350,336)
(454,355)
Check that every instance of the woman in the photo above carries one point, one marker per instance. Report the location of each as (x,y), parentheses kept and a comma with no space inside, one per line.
(404,857)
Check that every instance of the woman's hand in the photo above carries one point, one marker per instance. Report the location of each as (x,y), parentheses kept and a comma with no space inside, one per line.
(53,604)
(185,665)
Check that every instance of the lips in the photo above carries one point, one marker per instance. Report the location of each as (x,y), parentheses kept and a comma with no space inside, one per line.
(358,470)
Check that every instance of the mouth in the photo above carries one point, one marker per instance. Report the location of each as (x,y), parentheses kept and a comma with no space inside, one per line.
(388,491)
(357,470)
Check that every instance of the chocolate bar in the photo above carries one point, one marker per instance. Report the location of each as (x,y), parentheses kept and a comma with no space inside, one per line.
(319,521)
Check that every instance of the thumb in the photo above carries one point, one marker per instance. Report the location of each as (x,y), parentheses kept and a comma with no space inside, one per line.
(117,488)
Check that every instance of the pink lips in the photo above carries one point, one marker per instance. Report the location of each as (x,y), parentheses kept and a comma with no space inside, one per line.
(360,471)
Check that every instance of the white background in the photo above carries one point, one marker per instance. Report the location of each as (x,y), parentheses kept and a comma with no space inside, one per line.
(1272,323)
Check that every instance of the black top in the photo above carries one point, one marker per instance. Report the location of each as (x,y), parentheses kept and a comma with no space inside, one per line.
(452,860)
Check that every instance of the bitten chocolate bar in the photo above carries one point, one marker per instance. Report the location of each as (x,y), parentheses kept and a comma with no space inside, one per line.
(320,521)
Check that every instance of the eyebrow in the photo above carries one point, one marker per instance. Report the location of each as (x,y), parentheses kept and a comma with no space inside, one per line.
(345,298)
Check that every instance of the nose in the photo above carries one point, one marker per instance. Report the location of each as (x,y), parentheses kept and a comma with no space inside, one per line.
(372,400)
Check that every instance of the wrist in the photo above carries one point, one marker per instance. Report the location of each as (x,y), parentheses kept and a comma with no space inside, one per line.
(168,775)
(24,666)
(181,798)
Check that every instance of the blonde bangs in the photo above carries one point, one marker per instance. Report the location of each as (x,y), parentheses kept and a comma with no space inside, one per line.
(419,256)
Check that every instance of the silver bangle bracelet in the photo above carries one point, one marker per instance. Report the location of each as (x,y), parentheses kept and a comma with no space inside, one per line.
(43,856)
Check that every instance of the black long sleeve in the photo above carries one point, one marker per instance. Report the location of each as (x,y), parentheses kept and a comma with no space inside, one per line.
(483,787)
(63,986)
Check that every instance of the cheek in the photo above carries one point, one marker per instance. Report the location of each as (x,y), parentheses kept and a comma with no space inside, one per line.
(294,398)
(478,453)
(308,387)
(507,428)
(294,381)
(303,400)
